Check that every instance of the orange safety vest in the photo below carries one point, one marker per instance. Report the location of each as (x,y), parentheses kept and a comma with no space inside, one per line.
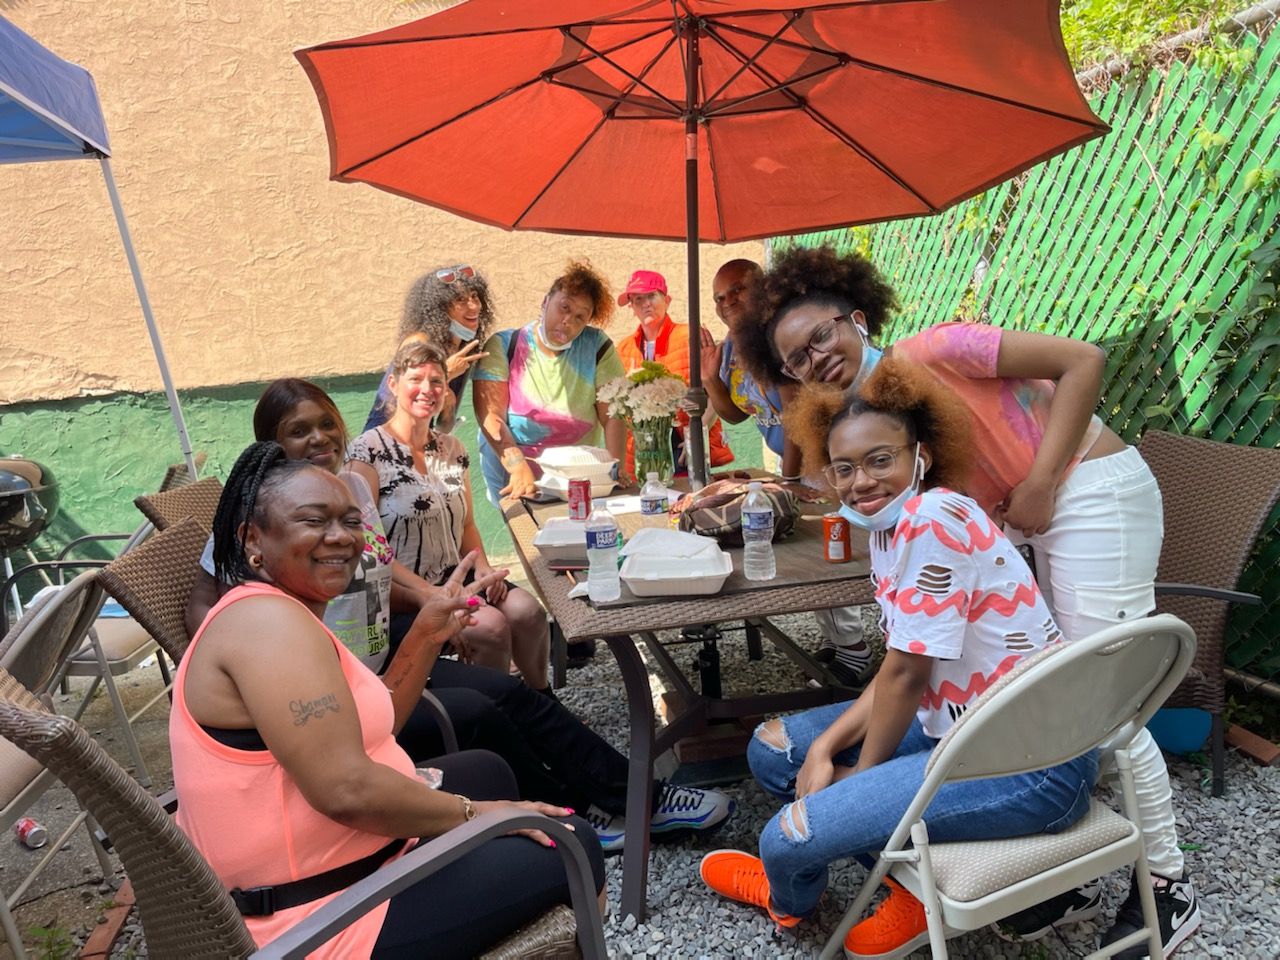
(671,349)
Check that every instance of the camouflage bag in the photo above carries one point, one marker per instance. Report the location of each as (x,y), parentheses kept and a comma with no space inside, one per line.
(716,510)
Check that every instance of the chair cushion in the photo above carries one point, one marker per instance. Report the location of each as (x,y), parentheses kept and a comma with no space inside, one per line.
(17,770)
(972,870)
(121,638)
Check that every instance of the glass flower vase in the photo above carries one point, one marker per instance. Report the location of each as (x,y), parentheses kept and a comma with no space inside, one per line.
(653,449)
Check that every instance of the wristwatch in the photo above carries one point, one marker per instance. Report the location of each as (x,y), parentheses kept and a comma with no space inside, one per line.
(468,808)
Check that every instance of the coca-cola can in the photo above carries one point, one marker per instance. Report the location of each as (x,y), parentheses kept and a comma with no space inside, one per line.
(835,538)
(579,499)
(30,834)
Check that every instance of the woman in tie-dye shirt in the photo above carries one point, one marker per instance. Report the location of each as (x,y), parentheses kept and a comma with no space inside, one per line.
(536,386)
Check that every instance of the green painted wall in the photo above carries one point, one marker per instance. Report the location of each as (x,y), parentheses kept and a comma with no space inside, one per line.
(105,451)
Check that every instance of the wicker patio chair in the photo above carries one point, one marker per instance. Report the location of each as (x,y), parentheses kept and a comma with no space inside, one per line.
(178,475)
(1205,552)
(186,914)
(198,500)
(36,650)
(154,579)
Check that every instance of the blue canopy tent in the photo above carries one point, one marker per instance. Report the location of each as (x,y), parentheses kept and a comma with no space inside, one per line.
(49,110)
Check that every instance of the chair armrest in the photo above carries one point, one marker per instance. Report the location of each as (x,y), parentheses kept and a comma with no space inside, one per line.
(21,572)
(90,538)
(1212,593)
(424,860)
(447,733)
(168,800)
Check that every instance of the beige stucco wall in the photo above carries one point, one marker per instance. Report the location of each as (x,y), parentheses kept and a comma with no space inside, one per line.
(257,265)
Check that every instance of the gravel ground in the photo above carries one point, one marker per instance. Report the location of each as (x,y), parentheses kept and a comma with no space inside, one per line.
(1236,867)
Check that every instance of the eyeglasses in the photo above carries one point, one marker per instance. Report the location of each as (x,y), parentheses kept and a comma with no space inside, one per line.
(877,465)
(452,274)
(649,297)
(825,336)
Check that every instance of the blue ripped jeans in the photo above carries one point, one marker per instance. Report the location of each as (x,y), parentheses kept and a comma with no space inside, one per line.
(855,816)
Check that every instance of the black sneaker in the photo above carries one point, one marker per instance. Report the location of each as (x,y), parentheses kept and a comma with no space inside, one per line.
(1176,905)
(1074,906)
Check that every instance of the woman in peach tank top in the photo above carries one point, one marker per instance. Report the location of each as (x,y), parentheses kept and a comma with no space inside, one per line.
(284,752)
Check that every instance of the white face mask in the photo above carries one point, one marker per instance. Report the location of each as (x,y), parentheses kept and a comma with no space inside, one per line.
(886,518)
(462,331)
(546,341)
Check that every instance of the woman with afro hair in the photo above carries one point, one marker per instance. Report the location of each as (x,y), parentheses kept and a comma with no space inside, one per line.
(897,451)
(1044,466)
(450,308)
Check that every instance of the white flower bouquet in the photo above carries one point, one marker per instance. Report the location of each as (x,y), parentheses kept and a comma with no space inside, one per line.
(647,400)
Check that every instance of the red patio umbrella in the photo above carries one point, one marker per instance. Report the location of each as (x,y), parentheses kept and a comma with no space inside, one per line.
(580,116)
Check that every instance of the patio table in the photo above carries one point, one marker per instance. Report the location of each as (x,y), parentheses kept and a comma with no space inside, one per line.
(805,582)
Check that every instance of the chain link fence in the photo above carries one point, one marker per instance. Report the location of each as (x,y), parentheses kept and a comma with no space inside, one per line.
(1158,242)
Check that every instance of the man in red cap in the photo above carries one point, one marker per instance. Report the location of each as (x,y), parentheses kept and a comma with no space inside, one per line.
(659,338)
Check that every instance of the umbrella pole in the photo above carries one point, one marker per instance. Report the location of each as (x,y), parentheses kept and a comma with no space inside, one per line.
(175,408)
(695,450)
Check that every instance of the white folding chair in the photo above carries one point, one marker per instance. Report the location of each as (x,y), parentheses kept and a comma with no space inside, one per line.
(1059,704)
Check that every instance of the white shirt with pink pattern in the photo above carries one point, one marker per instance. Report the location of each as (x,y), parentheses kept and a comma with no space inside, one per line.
(952,587)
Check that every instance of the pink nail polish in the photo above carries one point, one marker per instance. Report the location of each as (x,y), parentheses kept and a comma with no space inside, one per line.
(570,809)
(473,601)
(553,843)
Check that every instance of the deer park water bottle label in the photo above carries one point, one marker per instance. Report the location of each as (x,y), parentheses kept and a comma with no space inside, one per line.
(602,539)
(757,522)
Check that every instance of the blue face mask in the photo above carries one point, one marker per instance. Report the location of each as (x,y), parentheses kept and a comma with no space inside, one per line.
(886,518)
(462,332)
(870,355)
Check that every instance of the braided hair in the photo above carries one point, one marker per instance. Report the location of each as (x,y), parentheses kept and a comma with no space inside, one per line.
(261,468)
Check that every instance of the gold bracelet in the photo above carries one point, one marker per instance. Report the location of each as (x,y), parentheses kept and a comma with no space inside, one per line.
(468,808)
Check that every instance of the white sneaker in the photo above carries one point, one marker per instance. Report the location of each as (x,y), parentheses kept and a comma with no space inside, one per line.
(688,808)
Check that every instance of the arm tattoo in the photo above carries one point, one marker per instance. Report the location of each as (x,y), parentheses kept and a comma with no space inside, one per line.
(304,710)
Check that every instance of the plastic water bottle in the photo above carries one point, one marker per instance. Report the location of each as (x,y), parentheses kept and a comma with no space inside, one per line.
(653,497)
(603,583)
(757,535)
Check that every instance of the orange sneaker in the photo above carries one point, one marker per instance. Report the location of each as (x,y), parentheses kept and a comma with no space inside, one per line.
(740,876)
(895,928)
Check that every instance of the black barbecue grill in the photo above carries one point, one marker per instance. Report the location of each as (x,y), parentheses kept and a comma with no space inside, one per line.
(28,502)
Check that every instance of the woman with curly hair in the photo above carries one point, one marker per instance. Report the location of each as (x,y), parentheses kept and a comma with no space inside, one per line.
(897,449)
(1043,465)
(451,307)
(536,386)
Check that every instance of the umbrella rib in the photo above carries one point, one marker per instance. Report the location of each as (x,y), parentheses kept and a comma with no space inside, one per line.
(779,88)
(480,106)
(827,125)
(795,15)
(907,75)
(628,74)
(604,118)
(617,98)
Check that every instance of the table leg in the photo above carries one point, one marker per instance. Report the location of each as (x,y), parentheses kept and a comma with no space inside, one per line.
(559,655)
(755,649)
(635,856)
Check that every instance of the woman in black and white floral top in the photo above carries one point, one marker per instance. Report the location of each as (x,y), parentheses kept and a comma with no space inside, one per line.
(424,499)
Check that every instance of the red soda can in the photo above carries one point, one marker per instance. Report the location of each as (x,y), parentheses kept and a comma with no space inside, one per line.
(835,537)
(30,834)
(579,499)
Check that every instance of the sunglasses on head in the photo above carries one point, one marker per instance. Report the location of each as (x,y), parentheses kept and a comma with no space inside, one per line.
(462,271)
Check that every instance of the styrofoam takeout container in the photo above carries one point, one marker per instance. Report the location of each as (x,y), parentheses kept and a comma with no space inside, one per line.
(656,576)
(562,540)
(577,463)
(558,486)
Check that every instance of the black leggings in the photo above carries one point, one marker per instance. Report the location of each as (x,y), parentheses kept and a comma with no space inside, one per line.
(473,903)
(554,755)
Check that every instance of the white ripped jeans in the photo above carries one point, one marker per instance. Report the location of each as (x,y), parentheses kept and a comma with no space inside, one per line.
(1096,566)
